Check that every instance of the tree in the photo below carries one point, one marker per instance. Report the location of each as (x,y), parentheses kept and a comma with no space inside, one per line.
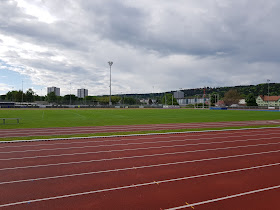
(51,97)
(231,97)
(130,100)
(251,100)
(30,95)
(168,98)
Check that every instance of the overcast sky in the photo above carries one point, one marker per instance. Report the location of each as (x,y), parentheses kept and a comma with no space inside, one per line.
(156,45)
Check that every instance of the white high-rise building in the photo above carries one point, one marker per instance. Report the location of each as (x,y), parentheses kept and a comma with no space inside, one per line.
(56,90)
(82,93)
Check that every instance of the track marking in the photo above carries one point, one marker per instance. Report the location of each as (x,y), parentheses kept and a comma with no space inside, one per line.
(72,154)
(226,197)
(120,140)
(121,158)
(96,146)
(139,185)
(147,134)
(130,168)
(190,206)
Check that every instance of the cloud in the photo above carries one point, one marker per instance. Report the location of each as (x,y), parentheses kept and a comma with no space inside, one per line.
(171,45)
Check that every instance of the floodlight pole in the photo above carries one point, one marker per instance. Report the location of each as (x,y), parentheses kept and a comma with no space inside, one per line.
(110,64)
(70,93)
(22,93)
(268,93)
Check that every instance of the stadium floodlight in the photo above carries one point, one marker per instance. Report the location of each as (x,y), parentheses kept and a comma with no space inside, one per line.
(110,64)
(268,80)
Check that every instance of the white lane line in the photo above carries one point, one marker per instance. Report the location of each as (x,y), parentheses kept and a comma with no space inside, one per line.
(136,139)
(134,185)
(119,128)
(226,197)
(196,144)
(147,134)
(112,145)
(121,158)
(140,167)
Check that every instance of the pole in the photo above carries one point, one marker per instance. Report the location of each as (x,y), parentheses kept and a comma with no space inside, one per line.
(209,102)
(22,93)
(203,102)
(110,64)
(70,93)
(268,93)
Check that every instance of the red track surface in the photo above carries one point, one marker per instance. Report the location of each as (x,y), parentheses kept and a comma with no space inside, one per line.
(125,128)
(142,172)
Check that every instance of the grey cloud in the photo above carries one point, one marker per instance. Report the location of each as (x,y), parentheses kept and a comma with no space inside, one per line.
(171,44)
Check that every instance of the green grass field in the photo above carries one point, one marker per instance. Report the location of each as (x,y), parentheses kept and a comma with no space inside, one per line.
(41,118)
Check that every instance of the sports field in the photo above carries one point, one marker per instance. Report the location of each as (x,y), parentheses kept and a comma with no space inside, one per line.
(44,118)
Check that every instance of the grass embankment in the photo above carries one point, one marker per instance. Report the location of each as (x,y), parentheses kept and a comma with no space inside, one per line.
(43,118)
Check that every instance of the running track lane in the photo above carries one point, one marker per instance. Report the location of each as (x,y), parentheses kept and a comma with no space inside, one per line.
(157,194)
(125,128)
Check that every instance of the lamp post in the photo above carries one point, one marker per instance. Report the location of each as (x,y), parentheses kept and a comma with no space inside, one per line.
(22,93)
(70,93)
(110,64)
(268,93)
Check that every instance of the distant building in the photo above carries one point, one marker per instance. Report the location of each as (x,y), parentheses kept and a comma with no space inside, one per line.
(186,101)
(268,100)
(179,94)
(56,90)
(82,93)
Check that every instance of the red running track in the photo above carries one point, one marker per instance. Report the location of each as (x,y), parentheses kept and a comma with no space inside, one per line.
(125,128)
(237,169)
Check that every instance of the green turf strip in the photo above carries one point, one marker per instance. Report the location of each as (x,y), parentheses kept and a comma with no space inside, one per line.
(43,118)
(128,133)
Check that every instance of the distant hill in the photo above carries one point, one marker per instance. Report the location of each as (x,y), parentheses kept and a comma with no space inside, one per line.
(244,90)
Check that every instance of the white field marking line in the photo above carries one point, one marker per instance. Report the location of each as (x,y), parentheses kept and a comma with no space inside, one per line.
(43,115)
(136,139)
(112,145)
(122,158)
(135,185)
(141,167)
(76,113)
(147,134)
(193,144)
(226,197)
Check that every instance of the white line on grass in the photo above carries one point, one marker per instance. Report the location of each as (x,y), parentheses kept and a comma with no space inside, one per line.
(135,185)
(139,167)
(225,198)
